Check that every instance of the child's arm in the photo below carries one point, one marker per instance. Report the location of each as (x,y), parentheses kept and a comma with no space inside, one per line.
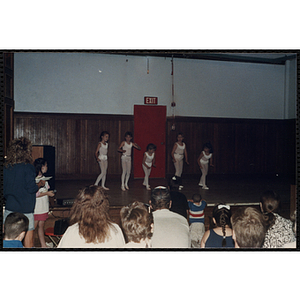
(173,151)
(198,160)
(153,162)
(136,146)
(97,152)
(204,239)
(186,156)
(120,148)
(49,193)
(144,160)
(211,161)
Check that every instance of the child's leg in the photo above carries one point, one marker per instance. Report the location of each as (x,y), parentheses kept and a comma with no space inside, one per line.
(101,174)
(104,165)
(123,172)
(204,173)
(28,240)
(41,234)
(178,167)
(128,170)
(147,174)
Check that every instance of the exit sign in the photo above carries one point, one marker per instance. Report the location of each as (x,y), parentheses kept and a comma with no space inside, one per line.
(150,100)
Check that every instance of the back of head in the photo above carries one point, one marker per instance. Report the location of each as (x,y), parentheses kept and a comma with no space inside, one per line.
(19,151)
(249,227)
(136,222)
(160,198)
(222,215)
(38,164)
(269,204)
(15,223)
(197,198)
(90,211)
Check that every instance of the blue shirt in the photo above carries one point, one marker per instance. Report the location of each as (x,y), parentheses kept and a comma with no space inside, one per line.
(12,244)
(196,212)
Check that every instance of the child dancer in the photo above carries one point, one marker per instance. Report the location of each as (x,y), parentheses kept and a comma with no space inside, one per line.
(203,160)
(42,201)
(178,152)
(101,156)
(196,218)
(125,148)
(148,162)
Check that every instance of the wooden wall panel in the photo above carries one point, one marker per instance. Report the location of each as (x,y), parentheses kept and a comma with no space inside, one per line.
(241,146)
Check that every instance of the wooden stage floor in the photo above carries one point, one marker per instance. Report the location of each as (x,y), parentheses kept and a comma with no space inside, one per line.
(233,189)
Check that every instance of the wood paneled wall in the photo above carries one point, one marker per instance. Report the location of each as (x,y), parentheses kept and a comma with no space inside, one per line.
(241,146)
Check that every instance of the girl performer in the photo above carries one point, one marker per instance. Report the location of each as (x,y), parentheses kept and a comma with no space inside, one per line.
(101,156)
(125,148)
(148,162)
(203,161)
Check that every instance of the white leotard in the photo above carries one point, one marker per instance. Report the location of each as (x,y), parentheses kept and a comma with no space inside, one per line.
(149,159)
(178,154)
(103,152)
(127,148)
(205,158)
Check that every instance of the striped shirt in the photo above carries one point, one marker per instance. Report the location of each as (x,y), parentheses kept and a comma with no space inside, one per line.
(196,212)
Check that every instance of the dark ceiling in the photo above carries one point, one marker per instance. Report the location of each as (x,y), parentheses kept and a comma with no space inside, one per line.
(266,57)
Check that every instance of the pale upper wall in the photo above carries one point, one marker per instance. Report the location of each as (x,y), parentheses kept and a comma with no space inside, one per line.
(112,84)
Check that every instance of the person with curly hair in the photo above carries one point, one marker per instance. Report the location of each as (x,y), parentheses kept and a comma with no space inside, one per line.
(19,186)
(279,229)
(90,224)
(220,233)
(137,224)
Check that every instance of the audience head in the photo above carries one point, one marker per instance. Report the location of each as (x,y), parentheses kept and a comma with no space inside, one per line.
(15,226)
(136,222)
(248,228)
(269,204)
(90,211)
(221,217)
(19,151)
(197,198)
(160,198)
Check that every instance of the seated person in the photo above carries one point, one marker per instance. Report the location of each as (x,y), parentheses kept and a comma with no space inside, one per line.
(293,219)
(179,200)
(137,224)
(90,225)
(196,219)
(248,228)
(171,230)
(220,233)
(15,227)
(279,230)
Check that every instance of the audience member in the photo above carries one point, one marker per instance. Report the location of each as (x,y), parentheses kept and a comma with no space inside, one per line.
(248,228)
(220,233)
(292,244)
(137,224)
(90,225)
(19,186)
(279,229)
(15,228)
(179,200)
(196,219)
(171,230)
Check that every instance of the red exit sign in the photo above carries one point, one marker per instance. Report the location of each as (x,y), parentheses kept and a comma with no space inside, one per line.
(150,100)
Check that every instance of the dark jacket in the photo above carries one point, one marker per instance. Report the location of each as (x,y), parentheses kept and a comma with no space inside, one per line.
(19,188)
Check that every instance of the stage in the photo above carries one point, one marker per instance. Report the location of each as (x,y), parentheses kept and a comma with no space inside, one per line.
(231,189)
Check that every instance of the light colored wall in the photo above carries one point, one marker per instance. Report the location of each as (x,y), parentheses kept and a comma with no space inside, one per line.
(72,83)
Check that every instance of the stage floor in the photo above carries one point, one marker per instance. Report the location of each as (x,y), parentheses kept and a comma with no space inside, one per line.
(233,189)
